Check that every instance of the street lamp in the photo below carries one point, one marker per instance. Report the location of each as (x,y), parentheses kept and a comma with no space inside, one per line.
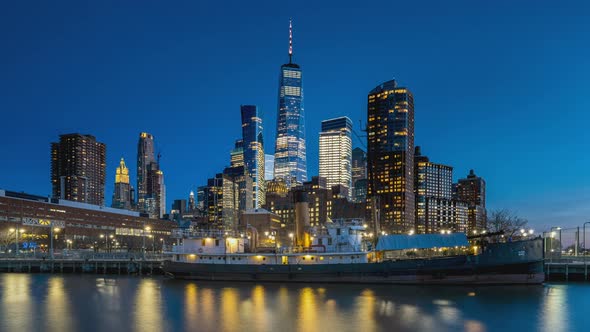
(53,230)
(292,239)
(146,229)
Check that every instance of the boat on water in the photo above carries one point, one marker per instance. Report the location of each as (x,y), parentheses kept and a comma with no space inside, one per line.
(342,252)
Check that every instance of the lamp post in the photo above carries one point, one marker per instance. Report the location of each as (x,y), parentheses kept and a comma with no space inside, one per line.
(146,229)
(53,230)
(102,237)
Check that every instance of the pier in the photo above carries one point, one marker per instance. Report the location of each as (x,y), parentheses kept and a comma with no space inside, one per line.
(567,269)
(127,264)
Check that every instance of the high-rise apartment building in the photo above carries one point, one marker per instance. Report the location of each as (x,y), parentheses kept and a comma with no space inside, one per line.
(78,169)
(390,157)
(155,199)
(145,156)
(123,194)
(336,154)
(253,146)
(151,191)
(473,191)
(432,181)
(290,151)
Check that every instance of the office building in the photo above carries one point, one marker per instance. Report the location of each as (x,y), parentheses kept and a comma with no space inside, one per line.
(336,154)
(123,195)
(253,147)
(290,151)
(78,169)
(390,157)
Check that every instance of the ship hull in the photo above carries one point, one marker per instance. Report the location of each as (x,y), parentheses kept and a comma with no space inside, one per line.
(512,263)
(379,273)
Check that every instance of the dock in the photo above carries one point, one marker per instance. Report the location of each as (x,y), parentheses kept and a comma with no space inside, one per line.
(568,269)
(92,264)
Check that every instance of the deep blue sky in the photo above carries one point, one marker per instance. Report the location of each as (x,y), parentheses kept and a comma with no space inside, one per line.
(499,86)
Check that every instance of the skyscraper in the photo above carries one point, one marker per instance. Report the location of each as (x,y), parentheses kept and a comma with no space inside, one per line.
(78,169)
(122,197)
(145,156)
(155,199)
(359,172)
(151,191)
(336,153)
(290,155)
(254,150)
(390,156)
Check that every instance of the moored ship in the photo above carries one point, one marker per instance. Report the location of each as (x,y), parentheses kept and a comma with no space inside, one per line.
(342,252)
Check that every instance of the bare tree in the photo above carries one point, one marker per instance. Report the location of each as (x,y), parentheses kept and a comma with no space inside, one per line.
(506,221)
(6,239)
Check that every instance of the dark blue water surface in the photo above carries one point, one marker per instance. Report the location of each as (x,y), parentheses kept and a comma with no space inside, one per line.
(42,302)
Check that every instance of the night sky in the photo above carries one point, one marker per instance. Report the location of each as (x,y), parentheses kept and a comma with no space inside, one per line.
(499,86)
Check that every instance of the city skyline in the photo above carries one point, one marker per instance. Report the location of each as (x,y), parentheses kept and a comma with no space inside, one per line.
(509,185)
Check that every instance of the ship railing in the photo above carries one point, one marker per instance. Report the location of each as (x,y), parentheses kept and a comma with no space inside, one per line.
(191,233)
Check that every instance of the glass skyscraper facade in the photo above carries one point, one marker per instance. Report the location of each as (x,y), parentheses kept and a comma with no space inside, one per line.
(390,156)
(253,147)
(290,154)
(336,153)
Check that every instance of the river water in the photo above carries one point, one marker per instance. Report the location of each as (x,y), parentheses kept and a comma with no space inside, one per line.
(45,302)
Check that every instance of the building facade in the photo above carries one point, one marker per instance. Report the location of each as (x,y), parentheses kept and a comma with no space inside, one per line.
(123,195)
(253,143)
(432,181)
(269,167)
(237,195)
(443,214)
(472,190)
(78,169)
(390,157)
(336,154)
(359,172)
(290,150)
(145,156)
(155,199)
(77,225)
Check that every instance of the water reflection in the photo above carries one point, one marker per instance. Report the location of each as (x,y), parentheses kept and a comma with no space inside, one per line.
(555,309)
(17,303)
(57,306)
(148,306)
(191,308)
(69,303)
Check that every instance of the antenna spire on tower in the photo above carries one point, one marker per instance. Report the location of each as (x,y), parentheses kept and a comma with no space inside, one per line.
(290,41)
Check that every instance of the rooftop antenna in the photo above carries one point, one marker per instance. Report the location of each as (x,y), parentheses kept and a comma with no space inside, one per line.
(290,41)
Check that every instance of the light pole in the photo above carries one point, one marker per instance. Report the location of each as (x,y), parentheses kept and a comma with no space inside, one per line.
(162,244)
(102,237)
(53,230)
(146,229)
